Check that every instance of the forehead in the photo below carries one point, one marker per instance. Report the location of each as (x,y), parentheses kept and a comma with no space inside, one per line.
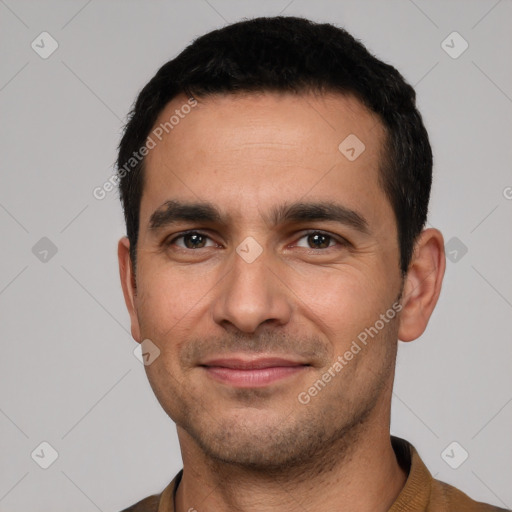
(248,152)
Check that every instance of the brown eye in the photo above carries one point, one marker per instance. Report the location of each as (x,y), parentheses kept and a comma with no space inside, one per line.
(191,240)
(318,240)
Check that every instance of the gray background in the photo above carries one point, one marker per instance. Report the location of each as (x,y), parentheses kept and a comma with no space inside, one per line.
(69,376)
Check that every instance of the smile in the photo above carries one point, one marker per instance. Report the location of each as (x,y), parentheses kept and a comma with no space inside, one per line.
(252,374)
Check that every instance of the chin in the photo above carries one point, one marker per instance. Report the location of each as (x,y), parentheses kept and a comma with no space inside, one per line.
(259,440)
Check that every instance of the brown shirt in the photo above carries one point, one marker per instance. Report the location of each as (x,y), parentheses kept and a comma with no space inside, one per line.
(421,493)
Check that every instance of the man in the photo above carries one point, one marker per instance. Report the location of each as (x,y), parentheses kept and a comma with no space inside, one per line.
(275,180)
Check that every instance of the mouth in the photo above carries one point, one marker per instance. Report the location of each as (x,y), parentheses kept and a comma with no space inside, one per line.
(245,373)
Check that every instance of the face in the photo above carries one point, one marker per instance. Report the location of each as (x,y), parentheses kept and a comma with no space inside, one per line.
(264,254)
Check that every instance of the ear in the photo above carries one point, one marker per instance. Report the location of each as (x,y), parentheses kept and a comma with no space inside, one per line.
(129,285)
(422,284)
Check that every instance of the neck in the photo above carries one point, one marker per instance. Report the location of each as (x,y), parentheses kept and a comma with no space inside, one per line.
(360,474)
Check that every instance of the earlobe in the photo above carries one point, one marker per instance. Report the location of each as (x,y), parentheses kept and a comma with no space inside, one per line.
(423,284)
(128,284)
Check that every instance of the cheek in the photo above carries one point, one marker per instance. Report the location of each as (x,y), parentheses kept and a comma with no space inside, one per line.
(168,300)
(342,301)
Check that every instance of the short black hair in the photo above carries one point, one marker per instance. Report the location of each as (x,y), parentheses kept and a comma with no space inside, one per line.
(291,55)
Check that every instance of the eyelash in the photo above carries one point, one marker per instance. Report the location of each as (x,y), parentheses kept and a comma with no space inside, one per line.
(342,242)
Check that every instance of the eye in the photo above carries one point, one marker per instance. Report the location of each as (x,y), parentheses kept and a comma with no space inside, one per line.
(316,240)
(320,240)
(191,240)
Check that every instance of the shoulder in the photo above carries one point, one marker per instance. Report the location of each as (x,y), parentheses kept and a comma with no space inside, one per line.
(447,497)
(149,504)
(423,493)
(162,502)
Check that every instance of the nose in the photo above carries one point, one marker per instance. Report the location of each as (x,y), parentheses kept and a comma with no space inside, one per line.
(252,294)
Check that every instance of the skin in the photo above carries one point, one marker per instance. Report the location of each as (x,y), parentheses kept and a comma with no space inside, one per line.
(260,449)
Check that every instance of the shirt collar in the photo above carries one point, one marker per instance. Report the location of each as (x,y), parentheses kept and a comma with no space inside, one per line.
(415,494)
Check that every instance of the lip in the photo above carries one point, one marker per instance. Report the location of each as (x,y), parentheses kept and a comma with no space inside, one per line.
(252,373)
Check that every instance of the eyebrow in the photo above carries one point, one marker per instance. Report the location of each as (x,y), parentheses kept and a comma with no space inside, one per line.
(173,211)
